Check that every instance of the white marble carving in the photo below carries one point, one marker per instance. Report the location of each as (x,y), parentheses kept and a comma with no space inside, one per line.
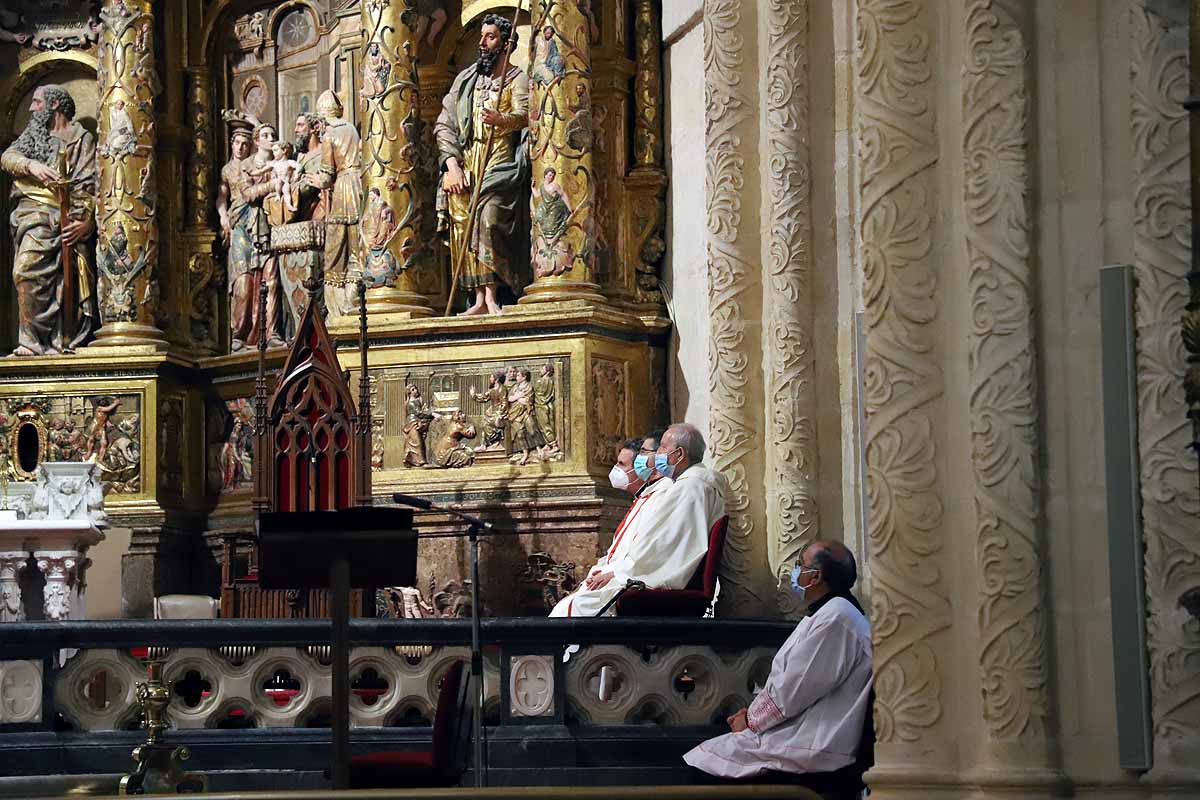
(11,564)
(69,490)
(531,686)
(20,691)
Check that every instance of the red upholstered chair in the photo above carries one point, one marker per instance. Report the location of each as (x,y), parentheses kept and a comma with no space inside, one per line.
(443,763)
(691,601)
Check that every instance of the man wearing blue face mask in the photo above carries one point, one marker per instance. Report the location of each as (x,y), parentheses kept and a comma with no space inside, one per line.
(599,586)
(811,723)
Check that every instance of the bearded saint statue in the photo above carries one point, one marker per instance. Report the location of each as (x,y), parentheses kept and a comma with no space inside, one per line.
(497,245)
(53,169)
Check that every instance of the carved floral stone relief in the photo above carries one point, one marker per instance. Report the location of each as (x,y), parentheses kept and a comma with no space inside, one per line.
(1161,252)
(897,147)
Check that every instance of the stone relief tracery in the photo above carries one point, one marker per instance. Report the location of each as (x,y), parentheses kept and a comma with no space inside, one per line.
(733,282)
(1161,252)
(897,147)
(791,396)
(1004,397)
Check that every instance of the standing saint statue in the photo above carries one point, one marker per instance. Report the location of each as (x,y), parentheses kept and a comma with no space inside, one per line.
(295,265)
(53,167)
(341,173)
(497,246)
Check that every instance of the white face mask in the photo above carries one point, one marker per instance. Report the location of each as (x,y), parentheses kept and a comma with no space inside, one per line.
(618,478)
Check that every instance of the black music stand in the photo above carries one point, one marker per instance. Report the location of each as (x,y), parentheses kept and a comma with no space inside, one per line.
(358,547)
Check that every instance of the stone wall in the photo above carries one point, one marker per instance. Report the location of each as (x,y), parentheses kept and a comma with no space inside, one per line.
(957,173)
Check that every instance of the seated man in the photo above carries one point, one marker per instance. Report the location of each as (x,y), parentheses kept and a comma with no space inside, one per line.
(583,602)
(670,536)
(812,721)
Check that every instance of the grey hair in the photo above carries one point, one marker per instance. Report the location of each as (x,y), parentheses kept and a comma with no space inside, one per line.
(688,437)
(837,565)
(59,99)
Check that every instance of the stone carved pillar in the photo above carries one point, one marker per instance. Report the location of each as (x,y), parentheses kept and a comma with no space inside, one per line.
(791,451)
(11,564)
(735,292)
(563,231)
(59,570)
(1170,502)
(127,253)
(895,133)
(1013,655)
(391,142)
(203,275)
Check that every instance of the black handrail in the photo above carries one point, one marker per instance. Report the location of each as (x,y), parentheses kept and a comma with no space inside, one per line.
(515,631)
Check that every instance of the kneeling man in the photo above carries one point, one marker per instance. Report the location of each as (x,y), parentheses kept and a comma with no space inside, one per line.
(812,719)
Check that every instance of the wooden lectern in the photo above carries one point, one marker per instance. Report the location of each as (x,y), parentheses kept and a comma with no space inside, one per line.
(336,550)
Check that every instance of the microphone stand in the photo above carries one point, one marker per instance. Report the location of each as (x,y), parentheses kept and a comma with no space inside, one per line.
(476,526)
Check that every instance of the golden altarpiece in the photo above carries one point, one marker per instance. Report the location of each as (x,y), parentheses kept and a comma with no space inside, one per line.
(518,413)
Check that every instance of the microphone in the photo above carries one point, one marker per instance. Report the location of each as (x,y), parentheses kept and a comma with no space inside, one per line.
(409,500)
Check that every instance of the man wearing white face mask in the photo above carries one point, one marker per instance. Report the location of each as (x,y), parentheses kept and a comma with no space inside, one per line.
(811,723)
(598,588)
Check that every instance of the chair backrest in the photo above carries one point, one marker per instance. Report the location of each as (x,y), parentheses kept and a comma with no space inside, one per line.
(705,577)
(448,718)
(185,606)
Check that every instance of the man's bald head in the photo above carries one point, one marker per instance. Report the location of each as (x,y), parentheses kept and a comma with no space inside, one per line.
(838,568)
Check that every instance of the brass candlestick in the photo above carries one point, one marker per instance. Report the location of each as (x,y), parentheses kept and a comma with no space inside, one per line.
(159,766)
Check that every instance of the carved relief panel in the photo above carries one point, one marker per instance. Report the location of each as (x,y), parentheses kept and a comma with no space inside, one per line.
(105,428)
(229,446)
(491,412)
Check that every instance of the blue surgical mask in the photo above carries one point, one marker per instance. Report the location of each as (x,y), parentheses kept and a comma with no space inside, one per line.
(662,466)
(797,571)
(642,467)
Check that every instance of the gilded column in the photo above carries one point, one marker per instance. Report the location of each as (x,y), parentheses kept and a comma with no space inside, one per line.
(564,184)
(646,186)
(202,272)
(1013,654)
(1162,250)
(391,247)
(895,132)
(127,196)
(735,355)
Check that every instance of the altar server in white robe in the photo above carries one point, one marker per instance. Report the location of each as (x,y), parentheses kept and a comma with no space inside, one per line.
(809,718)
(662,545)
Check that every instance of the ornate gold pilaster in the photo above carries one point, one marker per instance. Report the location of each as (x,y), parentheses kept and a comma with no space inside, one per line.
(391,136)
(203,275)
(127,253)
(564,182)
(646,185)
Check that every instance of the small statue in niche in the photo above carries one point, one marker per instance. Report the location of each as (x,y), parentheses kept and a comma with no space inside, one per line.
(495,413)
(450,451)
(416,424)
(378,227)
(122,140)
(550,221)
(548,64)
(97,437)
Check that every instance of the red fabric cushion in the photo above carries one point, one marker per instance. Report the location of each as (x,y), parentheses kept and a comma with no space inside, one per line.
(690,602)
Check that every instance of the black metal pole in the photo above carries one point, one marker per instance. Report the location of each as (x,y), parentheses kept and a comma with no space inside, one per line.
(1191,317)
(339,591)
(476,663)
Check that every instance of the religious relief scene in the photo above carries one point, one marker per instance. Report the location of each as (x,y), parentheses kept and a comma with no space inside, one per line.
(652,398)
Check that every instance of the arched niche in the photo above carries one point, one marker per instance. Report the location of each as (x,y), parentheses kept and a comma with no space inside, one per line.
(76,71)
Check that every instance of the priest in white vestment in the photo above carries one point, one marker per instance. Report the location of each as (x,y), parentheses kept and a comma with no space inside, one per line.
(662,541)
(808,721)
